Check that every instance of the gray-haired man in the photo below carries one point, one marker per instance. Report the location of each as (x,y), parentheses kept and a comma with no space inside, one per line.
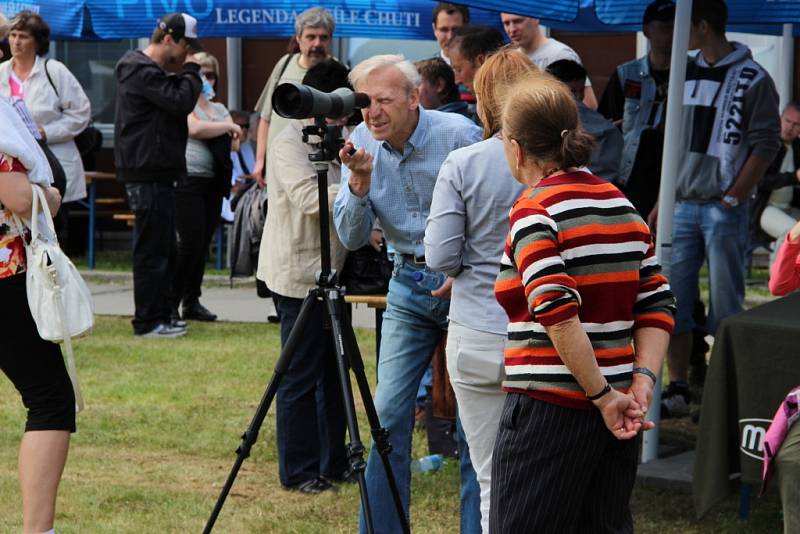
(401,147)
(314,31)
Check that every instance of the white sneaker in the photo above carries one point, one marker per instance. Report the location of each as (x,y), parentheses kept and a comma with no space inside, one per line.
(162,330)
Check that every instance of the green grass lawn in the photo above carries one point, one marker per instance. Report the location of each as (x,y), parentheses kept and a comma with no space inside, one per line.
(163,420)
(122,261)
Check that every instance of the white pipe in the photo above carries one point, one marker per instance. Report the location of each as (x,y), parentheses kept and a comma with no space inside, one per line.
(669,171)
(642,44)
(786,66)
(233,47)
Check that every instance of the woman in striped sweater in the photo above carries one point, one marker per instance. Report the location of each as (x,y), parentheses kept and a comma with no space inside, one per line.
(589,322)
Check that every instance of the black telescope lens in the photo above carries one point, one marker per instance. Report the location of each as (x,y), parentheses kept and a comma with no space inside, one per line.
(298,101)
(288,100)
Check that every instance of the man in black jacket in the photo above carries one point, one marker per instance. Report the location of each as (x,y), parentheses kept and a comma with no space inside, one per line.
(150,133)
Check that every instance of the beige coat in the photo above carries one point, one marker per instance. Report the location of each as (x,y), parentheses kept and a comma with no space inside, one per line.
(289,256)
(62,117)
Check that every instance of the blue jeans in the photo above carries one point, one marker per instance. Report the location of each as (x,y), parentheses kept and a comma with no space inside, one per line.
(309,419)
(708,230)
(470,490)
(422,390)
(412,327)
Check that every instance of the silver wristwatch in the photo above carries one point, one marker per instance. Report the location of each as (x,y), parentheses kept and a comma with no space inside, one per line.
(731,200)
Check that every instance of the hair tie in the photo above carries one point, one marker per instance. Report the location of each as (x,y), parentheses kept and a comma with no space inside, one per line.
(564,133)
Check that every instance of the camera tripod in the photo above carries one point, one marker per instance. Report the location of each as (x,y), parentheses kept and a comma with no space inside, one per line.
(348,357)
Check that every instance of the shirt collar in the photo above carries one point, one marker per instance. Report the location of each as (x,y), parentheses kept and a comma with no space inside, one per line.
(38,65)
(418,137)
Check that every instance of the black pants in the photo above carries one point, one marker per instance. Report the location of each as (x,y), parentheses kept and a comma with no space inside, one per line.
(557,469)
(310,413)
(33,365)
(198,204)
(153,205)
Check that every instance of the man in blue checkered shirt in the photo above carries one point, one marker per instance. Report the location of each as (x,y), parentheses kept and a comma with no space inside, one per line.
(400,147)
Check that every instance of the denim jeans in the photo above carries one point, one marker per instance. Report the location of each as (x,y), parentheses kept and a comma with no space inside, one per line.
(412,327)
(470,490)
(708,230)
(153,206)
(310,417)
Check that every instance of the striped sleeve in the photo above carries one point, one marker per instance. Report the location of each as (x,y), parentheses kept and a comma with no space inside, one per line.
(655,304)
(552,294)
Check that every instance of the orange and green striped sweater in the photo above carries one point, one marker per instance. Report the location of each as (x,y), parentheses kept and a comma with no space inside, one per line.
(576,246)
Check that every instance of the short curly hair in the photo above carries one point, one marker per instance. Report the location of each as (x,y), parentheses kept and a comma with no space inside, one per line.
(33,23)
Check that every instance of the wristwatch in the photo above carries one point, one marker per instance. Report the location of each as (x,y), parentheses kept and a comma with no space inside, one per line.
(731,200)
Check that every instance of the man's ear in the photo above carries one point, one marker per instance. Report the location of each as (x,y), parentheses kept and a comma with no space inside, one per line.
(413,98)
(440,87)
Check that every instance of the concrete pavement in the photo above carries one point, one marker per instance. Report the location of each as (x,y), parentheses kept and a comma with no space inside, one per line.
(113,295)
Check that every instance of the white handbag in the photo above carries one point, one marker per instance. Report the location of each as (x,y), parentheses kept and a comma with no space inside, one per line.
(60,302)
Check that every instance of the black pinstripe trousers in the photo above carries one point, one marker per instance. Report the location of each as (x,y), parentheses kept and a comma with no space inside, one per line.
(557,469)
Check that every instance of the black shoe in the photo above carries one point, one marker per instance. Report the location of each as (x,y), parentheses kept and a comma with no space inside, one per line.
(315,486)
(273,319)
(198,312)
(348,476)
(675,401)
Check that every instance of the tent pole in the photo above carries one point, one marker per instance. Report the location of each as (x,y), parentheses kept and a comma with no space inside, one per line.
(669,171)
(234,59)
(785,89)
(642,44)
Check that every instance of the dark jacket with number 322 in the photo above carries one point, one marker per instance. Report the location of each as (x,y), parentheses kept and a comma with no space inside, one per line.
(150,129)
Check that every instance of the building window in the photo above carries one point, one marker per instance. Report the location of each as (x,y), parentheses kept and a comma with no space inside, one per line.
(92,63)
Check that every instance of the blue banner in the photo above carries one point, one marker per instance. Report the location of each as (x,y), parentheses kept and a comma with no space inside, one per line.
(389,19)
(406,19)
(65,18)
(739,11)
(590,16)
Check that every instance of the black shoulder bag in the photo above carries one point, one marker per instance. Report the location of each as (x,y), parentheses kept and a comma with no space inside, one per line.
(367,271)
(59,176)
(220,148)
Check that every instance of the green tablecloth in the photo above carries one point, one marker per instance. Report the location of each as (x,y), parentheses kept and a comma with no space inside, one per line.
(754,364)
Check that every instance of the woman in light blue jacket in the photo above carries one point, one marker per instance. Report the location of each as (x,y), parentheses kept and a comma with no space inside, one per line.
(464,237)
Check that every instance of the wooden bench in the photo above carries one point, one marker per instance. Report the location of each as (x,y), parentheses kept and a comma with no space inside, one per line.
(110,201)
(378,302)
(127,217)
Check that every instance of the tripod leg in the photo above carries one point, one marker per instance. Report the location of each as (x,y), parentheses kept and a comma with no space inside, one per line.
(250,435)
(355,449)
(380,435)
